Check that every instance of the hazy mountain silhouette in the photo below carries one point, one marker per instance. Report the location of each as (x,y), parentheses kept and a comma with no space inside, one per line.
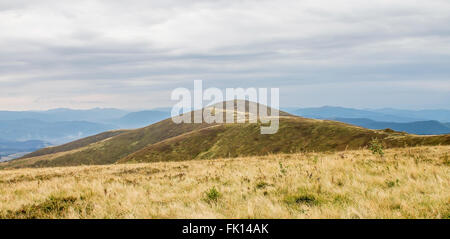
(140,118)
(53,132)
(63,114)
(439,115)
(419,127)
(331,112)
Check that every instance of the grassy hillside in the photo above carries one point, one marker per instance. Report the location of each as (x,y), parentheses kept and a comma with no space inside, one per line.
(75,144)
(405,183)
(167,141)
(295,135)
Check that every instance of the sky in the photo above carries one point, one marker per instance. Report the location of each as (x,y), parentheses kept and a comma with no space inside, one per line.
(132,54)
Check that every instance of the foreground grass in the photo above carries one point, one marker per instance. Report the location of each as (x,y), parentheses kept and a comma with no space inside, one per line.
(405,183)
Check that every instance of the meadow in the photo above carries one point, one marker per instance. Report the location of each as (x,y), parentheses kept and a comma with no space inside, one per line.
(403,183)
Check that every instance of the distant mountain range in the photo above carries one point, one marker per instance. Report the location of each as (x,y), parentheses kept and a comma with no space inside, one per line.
(140,118)
(53,132)
(415,122)
(386,115)
(63,114)
(438,115)
(429,127)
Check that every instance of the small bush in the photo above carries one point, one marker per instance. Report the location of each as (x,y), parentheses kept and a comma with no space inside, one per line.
(53,207)
(212,195)
(391,184)
(376,147)
(445,160)
(306,199)
(261,185)
(282,169)
(303,197)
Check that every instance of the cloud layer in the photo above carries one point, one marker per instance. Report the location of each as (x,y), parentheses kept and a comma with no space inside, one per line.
(131,54)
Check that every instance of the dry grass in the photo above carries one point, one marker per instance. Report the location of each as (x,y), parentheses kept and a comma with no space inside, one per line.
(405,183)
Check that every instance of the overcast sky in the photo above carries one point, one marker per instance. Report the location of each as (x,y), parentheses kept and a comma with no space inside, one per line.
(132,54)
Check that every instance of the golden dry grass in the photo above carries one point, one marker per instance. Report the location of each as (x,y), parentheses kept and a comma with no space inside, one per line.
(405,183)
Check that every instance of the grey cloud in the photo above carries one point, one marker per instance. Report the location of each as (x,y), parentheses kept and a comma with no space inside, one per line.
(144,48)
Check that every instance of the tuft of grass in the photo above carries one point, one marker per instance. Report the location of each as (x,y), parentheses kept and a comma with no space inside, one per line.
(212,195)
(445,159)
(304,196)
(283,170)
(261,185)
(305,199)
(391,183)
(376,147)
(52,207)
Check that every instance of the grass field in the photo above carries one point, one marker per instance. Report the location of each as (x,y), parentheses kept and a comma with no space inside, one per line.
(404,183)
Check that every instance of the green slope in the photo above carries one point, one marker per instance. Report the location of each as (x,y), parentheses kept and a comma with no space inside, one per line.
(75,144)
(295,135)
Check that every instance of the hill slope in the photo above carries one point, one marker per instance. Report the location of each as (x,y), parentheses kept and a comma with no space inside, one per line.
(295,135)
(75,144)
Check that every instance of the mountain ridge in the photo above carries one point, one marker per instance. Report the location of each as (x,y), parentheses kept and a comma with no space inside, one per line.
(166,141)
(429,127)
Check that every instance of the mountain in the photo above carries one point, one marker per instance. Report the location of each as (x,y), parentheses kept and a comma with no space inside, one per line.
(168,141)
(62,114)
(15,115)
(420,127)
(295,135)
(383,115)
(53,132)
(163,109)
(141,118)
(439,115)
(92,115)
(331,112)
